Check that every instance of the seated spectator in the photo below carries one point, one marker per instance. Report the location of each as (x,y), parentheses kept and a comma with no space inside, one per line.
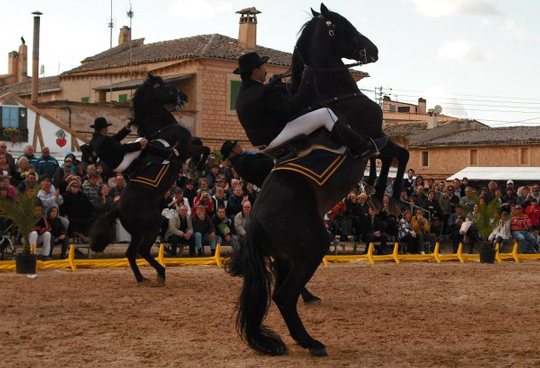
(338,216)
(390,219)
(520,226)
(524,196)
(49,196)
(456,186)
(250,192)
(454,225)
(30,181)
(241,221)
(204,199)
(406,234)
(234,203)
(90,187)
(9,157)
(471,234)
(420,198)
(218,198)
(203,231)
(533,213)
(180,232)
(432,206)
(46,164)
(6,169)
(41,234)
(508,200)
(467,201)
(501,231)
(29,155)
(420,225)
(223,226)
(375,232)
(68,167)
(58,232)
(78,209)
(118,186)
(190,192)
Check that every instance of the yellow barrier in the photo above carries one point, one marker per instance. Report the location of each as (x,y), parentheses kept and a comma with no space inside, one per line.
(218,260)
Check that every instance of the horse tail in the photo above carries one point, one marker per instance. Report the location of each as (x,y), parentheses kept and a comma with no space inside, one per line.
(102,231)
(251,262)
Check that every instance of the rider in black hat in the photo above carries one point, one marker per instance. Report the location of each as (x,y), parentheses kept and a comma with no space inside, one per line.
(253,167)
(267,114)
(112,152)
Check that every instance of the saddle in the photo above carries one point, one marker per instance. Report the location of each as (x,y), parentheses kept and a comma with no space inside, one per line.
(302,145)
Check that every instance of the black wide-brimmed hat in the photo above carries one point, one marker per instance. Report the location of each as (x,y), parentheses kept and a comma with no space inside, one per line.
(227,148)
(100,123)
(250,61)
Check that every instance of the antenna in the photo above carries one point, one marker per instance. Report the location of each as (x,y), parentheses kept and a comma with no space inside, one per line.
(437,109)
(111,25)
(130,14)
(42,70)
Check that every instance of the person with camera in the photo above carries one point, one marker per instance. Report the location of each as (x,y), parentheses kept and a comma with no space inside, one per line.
(205,200)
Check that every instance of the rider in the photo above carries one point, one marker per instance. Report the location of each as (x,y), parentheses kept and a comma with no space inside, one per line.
(253,167)
(112,152)
(266,112)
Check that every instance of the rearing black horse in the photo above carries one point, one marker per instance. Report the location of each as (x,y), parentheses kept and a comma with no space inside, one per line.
(138,207)
(287,218)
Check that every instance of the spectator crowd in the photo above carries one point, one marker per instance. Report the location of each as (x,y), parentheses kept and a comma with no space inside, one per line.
(213,205)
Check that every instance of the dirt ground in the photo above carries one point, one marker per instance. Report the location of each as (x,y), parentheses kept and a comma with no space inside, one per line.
(387,315)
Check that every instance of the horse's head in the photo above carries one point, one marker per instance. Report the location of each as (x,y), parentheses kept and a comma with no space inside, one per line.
(335,37)
(154,94)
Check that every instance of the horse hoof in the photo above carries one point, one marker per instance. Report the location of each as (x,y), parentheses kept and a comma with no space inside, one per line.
(312,300)
(318,352)
(143,282)
(160,281)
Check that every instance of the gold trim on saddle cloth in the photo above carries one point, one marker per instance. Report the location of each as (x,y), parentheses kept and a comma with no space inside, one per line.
(319,178)
(155,181)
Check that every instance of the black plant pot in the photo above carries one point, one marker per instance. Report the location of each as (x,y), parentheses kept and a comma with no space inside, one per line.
(487,255)
(25,263)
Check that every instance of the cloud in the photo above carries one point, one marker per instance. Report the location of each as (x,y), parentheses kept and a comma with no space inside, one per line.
(443,8)
(514,31)
(197,10)
(462,51)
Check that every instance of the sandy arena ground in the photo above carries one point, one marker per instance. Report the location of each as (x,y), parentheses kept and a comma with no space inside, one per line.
(408,315)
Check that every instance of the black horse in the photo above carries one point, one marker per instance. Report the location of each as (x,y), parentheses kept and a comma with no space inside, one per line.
(138,207)
(287,218)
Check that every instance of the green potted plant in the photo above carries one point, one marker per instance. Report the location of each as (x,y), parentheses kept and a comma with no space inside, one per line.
(23,213)
(489,216)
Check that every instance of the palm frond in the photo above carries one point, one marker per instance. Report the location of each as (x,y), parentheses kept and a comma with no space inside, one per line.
(22,212)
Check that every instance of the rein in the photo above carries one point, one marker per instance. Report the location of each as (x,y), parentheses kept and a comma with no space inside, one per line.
(334,68)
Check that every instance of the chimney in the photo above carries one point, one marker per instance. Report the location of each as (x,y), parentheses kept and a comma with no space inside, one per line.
(421,106)
(124,36)
(247,33)
(35,58)
(23,62)
(13,63)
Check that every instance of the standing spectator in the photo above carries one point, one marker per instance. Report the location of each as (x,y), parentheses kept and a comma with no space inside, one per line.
(432,206)
(472,234)
(90,187)
(446,208)
(29,154)
(212,175)
(456,185)
(463,186)
(180,232)
(241,221)
(190,192)
(523,198)
(203,231)
(408,183)
(520,226)
(536,192)
(46,164)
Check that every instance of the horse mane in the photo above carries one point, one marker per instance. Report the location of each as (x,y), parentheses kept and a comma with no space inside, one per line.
(297,64)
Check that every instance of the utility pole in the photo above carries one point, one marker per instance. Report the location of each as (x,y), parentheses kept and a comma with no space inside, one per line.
(380,92)
(111,25)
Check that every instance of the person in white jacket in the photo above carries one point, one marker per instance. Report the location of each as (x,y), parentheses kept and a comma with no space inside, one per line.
(501,231)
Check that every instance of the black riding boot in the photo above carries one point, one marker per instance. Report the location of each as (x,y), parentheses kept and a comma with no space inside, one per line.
(360,146)
(165,152)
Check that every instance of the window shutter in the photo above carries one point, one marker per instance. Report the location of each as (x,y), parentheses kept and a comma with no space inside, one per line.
(235,87)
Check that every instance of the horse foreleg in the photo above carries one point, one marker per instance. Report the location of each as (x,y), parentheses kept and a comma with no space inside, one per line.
(281,270)
(380,187)
(144,251)
(402,156)
(131,255)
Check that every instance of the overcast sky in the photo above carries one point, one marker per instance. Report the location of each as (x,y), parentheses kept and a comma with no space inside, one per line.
(476,58)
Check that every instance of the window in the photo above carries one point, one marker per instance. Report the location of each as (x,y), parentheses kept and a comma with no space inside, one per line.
(123,98)
(235,87)
(404,109)
(474,157)
(10,117)
(85,99)
(425,158)
(524,156)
